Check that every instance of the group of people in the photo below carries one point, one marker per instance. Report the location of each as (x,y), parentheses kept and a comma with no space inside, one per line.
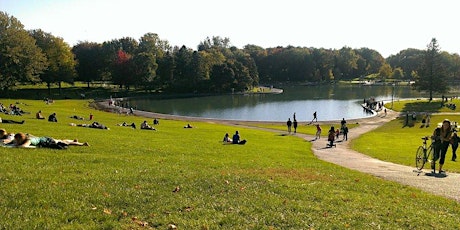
(51,118)
(235,140)
(289,124)
(12,109)
(334,134)
(22,140)
(445,134)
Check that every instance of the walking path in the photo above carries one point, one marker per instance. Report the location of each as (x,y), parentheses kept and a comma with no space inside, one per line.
(343,155)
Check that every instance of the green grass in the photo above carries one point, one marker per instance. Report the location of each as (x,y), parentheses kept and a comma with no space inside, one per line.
(397,143)
(423,105)
(127,177)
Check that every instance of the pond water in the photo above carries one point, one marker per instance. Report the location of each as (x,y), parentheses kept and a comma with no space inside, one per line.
(331,102)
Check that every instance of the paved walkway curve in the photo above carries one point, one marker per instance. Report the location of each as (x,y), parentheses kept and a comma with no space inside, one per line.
(343,155)
(447,186)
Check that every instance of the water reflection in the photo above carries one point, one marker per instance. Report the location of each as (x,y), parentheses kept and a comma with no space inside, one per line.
(332,102)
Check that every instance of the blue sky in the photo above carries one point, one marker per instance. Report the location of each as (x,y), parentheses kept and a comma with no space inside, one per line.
(386,26)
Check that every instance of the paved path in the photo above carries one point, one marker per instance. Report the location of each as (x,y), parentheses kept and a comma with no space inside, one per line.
(447,186)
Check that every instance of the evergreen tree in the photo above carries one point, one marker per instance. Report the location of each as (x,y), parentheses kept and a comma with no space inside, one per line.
(432,76)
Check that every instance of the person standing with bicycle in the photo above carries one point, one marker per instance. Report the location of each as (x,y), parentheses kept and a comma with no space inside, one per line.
(436,143)
(446,135)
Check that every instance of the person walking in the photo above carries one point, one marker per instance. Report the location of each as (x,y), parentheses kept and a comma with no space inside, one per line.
(289,124)
(295,125)
(315,118)
(345,133)
(342,123)
(446,135)
(318,132)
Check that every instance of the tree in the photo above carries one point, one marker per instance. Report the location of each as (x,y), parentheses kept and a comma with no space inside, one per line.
(398,73)
(122,69)
(385,71)
(61,62)
(346,62)
(89,61)
(144,67)
(21,61)
(432,76)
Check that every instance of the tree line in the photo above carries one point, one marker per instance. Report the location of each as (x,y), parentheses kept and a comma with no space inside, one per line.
(151,63)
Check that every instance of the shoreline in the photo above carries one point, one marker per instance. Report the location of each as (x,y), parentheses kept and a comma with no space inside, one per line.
(103,105)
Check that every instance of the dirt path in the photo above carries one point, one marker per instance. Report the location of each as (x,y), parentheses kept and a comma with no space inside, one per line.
(343,155)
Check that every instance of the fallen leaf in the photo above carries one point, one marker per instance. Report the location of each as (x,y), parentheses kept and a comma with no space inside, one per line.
(107,211)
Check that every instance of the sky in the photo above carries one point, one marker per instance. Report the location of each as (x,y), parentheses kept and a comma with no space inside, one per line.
(387,26)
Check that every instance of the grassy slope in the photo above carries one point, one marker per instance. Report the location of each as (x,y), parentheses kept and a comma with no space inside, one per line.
(127,177)
(398,143)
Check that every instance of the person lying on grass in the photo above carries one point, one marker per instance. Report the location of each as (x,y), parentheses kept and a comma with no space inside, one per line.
(11,121)
(77,117)
(5,137)
(132,125)
(94,125)
(22,140)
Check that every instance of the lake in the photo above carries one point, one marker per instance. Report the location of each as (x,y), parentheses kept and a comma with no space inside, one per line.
(332,102)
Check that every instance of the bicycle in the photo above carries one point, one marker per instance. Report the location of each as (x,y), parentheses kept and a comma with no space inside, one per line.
(423,155)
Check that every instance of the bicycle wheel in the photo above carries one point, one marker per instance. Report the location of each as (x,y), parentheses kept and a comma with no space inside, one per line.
(420,158)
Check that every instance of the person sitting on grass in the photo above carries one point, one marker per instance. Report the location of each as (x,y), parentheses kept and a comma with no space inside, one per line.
(188,126)
(22,140)
(39,115)
(52,118)
(236,139)
(227,139)
(144,125)
(11,121)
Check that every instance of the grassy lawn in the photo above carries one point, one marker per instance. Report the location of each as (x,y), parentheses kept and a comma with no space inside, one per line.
(397,143)
(130,178)
(424,105)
